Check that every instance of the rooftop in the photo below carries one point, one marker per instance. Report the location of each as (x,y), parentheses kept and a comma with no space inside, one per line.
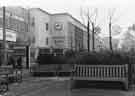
(67,14)
(71,17)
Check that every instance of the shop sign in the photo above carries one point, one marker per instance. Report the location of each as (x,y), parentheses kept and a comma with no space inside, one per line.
(10,35)
(12,16)
(59,43)
(19,50)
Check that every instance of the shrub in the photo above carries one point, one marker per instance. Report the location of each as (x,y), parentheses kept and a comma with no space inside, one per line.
(104,57)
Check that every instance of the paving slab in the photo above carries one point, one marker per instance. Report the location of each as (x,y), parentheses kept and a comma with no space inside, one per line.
(60,87)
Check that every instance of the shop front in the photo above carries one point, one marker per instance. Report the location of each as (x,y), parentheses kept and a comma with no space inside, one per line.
(20,50)
(10,40)
(16,47)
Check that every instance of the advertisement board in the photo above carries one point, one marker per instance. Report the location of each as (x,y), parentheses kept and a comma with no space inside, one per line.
(19,50)
(10,35)
(59,41)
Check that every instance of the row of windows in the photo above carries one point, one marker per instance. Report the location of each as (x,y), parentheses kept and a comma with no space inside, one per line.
(78,37)
(33,24)
(56,41)
(15,25)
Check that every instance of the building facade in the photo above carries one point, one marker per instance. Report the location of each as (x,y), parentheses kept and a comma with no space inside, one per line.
(17,31)
(29,30)
(57,31)
(40,27)
(67,32)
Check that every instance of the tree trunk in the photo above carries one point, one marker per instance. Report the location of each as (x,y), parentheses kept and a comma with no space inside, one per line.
(110,37)
(93,37)
(88,39)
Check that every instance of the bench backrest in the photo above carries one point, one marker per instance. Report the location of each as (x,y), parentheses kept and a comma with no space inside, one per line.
(100,71)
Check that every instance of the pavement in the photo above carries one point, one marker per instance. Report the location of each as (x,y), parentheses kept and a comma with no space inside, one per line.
(39,87)
(59,86)
(27,76)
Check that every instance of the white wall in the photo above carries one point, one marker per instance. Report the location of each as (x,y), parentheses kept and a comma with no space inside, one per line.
(60,34)
(64,19)
(79,25)
(41,18)
(76,23)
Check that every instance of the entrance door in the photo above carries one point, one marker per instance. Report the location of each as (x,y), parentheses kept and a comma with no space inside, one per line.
(27,57)
(24,52)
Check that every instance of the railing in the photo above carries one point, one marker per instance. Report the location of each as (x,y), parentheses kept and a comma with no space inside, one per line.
(100,72)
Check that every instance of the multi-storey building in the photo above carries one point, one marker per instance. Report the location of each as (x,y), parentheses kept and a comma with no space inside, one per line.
(36,29)
(57,31)
(17,21)
(67,32)
(17,31)
(41,27)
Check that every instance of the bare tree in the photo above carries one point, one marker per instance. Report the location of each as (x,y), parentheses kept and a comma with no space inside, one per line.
(91,19)
(88,31)
(85,19)
(111,15)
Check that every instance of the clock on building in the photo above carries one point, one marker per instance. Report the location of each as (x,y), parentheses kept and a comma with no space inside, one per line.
(58,26)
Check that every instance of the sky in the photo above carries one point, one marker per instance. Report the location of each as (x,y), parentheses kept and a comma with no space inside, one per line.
(124,14)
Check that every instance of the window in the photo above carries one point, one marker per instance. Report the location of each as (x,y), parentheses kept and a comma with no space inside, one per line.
(47,26)
(33,21)
(1,46)
(47,41)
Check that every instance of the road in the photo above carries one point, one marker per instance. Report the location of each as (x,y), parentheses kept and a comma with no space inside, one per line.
(55,87)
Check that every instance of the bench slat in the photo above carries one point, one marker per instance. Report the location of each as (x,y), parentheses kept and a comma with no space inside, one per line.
(101,72)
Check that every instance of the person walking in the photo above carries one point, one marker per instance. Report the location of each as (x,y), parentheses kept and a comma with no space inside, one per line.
(19,62)
(12,62)
(19,69)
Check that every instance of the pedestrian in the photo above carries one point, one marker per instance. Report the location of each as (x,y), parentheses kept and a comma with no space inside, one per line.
(1,60)
(12,62)
(19,69)
(19,62)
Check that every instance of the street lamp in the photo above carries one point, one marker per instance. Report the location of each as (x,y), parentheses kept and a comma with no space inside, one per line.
(4,38)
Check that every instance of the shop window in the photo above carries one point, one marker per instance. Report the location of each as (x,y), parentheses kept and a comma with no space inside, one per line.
(47,26)
(1,45)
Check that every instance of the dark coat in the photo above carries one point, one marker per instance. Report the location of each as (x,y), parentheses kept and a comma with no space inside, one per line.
(12,62)
(19,63)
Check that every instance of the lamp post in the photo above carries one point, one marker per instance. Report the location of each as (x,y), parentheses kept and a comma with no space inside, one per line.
(4,38)
(88,35)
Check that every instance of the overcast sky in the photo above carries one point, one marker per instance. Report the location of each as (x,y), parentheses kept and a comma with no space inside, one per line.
(124,14)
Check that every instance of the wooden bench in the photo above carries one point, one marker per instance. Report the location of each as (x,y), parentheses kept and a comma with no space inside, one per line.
(101,73)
